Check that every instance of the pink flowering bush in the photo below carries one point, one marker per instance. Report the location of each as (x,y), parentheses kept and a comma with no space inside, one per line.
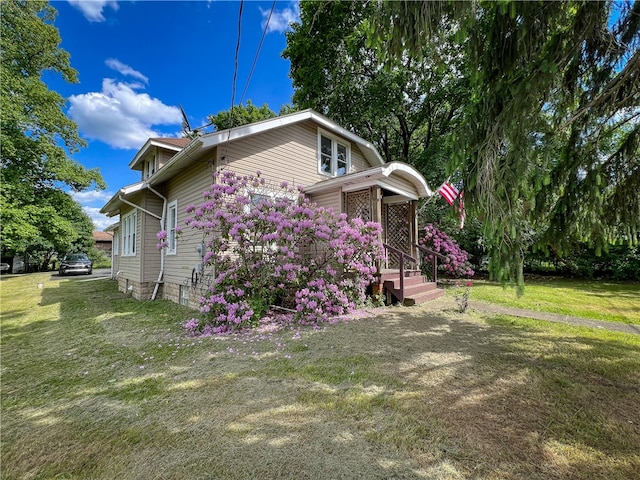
(456,262)
(162,239)
(269,245)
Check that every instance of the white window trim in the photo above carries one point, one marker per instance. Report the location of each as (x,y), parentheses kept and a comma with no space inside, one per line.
(171,229)
(116,243)
(334,153)
(129,238)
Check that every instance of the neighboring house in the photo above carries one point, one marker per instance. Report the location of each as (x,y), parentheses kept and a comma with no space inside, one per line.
(102,241)
(336,168)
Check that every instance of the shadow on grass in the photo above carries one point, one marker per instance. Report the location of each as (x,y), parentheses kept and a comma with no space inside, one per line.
(413,393)
(523,396)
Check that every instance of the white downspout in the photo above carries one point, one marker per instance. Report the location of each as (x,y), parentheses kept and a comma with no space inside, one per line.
(112,255)
(162,225)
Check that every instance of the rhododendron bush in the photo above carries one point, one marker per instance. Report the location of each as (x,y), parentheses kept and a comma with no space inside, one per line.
(270,245)
(456,261)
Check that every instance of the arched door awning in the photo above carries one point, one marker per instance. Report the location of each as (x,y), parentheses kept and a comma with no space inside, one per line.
(397,177)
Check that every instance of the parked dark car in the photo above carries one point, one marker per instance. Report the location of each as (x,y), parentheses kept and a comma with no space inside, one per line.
(76,263)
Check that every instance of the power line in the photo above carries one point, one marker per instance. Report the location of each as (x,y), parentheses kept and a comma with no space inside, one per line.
(255,59)
(235,67)
(235,77)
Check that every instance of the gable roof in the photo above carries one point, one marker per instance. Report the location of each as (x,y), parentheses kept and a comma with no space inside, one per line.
(178,142)
(99,236)
(175,144)
(212,140)
(216,138)
(187,150)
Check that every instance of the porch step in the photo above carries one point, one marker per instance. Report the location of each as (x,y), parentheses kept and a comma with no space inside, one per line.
(417,288)
(409,301)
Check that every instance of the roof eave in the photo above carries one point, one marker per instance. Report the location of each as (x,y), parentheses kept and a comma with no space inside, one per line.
(151,142)
(373,176)
(165,172)
(368,149)
(113,205)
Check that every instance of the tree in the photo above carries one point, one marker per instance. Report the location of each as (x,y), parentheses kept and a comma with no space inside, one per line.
(36,135)
(239,115)
(407,110)
(549,149)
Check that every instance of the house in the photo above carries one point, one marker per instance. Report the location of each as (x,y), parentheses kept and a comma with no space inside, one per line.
(336,168)
(102,241)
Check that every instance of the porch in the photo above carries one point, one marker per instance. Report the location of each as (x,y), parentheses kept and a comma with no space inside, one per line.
(389,195)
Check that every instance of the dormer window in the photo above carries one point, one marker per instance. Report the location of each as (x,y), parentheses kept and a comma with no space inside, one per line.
(334,155)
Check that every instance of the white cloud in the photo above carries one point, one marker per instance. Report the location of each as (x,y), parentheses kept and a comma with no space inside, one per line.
(280,20)
(91,196)
(100,221)
(120,116)
(92,9)
(120,67)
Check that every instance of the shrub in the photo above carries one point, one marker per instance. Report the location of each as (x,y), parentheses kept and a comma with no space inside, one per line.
(456,262)
(270,245)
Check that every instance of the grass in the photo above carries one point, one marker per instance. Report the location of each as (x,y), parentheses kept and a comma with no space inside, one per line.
(596,300)
(96,385)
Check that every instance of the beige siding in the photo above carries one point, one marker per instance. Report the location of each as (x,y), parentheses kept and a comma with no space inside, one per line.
(187,188)
(288,154)
(331,199)
(150,226)
(163,157)
(144,266)
(401,183)
(129,266)
(358,162)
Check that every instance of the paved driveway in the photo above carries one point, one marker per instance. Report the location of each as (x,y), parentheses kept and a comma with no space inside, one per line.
(97,273)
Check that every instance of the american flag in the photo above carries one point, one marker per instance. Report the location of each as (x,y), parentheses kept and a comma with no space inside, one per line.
(450,194)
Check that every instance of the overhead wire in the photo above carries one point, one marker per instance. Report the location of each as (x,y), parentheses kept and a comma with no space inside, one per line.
(237,55)
(235,78)
(255,59)
(253,65)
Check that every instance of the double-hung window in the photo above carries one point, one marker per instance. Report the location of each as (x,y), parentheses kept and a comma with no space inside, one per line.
(334,156)
(129,226)
(172,224)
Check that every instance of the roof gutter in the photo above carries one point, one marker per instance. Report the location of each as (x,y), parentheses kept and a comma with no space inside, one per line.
(123,200)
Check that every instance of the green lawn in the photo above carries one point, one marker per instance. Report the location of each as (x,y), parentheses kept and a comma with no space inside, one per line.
(597,300)
(96,385)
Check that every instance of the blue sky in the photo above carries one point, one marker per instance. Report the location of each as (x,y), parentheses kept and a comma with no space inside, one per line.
(137,61)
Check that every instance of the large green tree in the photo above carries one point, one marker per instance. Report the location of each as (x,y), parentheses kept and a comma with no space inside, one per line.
(239,115)
(407,109)
(36,214)
(549,148)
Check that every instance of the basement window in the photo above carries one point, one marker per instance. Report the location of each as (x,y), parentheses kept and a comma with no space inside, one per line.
(184,295)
